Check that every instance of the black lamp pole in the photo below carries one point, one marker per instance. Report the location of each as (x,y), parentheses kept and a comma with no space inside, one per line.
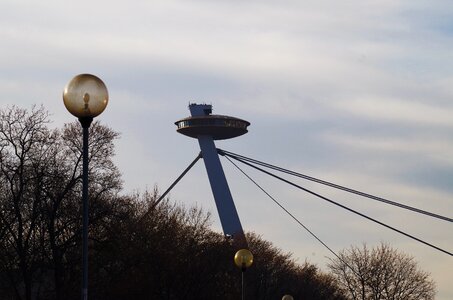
(86,122)
(243,287)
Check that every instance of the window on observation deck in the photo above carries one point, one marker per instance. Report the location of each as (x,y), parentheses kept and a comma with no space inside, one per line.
(213,122)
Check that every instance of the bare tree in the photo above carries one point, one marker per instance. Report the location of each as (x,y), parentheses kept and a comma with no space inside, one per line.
(24,140)
(40,188)
(63,189)
(381,273)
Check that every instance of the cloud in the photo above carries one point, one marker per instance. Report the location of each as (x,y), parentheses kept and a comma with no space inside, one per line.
(424,146)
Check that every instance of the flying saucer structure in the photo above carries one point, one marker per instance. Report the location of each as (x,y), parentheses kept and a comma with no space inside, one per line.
(217,126)
(206,127)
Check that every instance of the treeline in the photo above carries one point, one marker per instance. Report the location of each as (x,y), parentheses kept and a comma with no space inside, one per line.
(136,250)
(170,253)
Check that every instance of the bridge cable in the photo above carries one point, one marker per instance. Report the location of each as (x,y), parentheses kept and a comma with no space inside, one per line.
(333,185)
(290,214)
(176,181)
(343,206)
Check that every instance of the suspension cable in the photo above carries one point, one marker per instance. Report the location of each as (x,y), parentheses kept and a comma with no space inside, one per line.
(289,213)
(344,207)
(336,186)
(176,181)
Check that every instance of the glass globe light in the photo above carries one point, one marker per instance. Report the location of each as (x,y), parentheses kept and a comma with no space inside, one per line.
(287,297)
(243,258)
(85,96)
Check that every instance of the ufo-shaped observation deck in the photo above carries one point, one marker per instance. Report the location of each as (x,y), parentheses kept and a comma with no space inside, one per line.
(218,126)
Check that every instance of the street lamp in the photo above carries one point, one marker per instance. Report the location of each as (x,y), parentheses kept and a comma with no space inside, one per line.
(86,97)
(287,297)
(243,259)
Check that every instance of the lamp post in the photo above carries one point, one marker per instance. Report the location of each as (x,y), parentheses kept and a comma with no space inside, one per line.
(243,259)
(85,96)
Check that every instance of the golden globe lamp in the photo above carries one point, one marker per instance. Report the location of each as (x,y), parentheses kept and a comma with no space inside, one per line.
(85,96)
(243,259)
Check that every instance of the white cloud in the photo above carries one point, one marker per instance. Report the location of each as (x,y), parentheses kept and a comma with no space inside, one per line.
(426,147)
(398,111)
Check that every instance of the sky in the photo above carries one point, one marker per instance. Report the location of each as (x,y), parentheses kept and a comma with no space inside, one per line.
(359,93)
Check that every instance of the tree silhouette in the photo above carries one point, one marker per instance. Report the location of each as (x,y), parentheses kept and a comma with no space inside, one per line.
(40,183)
(381,273)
